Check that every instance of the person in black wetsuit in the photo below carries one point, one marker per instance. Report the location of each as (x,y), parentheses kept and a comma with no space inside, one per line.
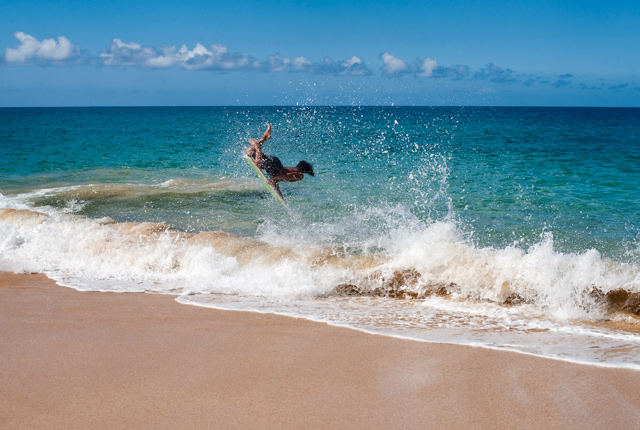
(273,166)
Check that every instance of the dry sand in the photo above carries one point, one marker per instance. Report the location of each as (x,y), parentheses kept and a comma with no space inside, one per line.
(75,360)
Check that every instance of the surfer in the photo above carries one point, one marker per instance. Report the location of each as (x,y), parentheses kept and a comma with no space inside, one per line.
(273,166)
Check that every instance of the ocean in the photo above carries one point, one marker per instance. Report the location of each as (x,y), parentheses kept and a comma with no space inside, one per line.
(513,228)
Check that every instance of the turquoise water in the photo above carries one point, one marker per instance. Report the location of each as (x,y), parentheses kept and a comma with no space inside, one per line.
(510,215)
(508,174)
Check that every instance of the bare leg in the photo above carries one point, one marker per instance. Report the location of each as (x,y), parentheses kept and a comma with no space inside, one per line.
(266,136)
(256,146)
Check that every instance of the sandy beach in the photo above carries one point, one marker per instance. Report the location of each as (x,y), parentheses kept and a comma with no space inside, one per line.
(85,360)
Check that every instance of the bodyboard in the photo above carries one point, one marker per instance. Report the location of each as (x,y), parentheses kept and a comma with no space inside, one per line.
(275,193)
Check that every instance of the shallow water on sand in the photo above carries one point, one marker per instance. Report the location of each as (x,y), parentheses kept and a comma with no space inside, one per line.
(514,228)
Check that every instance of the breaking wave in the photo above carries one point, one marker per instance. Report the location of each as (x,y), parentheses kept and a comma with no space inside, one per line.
(402,263)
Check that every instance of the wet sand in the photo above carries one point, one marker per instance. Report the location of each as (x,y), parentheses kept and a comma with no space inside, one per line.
(83,360)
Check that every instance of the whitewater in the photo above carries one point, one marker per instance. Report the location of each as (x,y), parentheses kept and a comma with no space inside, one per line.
(511,228)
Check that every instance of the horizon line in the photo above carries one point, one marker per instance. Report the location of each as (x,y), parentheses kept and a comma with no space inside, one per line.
(316,106)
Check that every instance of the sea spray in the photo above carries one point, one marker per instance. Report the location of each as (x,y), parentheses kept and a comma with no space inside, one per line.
(408,263)
(440,224)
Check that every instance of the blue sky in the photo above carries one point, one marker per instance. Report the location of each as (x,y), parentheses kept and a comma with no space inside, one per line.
(535,53)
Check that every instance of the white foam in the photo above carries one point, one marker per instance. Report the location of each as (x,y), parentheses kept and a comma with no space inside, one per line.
(93,254)
(558,282)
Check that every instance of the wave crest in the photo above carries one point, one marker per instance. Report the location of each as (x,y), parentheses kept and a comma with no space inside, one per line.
(434,261)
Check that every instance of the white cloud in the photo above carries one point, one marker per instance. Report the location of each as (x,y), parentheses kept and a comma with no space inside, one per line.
(278,63)
(427,68)
(166,58)
(353,61)
(31,50)
(354,66)
(217,57)
(393,66)
(200,57)
(300,64)
(130,54)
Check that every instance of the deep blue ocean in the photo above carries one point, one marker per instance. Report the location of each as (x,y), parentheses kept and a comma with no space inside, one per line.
(455,224)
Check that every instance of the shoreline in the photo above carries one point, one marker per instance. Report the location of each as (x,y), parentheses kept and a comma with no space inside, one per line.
(632,367)
(111,360)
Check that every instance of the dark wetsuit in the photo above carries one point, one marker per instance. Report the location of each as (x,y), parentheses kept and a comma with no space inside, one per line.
(271,165)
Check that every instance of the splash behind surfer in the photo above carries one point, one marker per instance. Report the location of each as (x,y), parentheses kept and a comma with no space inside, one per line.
(273,166)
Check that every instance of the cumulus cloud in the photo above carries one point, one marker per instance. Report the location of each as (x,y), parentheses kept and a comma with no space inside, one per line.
(278,63)
(217,57)
(426,68)
(353,66)
(393,66)
(200,57)
(129,54)
(33,51)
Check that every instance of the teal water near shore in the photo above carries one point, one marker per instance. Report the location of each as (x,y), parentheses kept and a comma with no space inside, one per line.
(506,227)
